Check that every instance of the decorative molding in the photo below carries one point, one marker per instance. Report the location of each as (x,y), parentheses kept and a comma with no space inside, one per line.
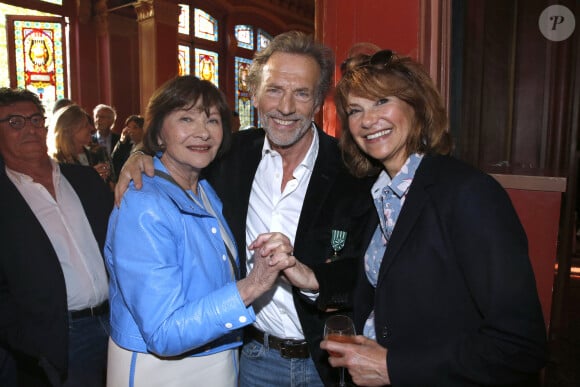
(160,10)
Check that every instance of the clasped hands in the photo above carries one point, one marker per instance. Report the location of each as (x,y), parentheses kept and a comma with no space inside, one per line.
(275,246)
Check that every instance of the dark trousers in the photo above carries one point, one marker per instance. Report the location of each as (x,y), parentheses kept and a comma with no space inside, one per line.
(87,357)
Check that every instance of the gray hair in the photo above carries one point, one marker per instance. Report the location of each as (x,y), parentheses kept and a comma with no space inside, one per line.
(295,42)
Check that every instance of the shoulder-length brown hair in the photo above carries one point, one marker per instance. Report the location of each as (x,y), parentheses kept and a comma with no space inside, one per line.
(179,93)
(386,74)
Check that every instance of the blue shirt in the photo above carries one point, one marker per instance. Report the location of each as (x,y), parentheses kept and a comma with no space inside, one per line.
(389,197)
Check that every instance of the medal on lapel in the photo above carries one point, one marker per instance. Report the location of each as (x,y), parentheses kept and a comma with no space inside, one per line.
(337,240)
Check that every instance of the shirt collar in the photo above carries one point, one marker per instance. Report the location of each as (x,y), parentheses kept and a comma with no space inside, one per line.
(310,158)
(22,178)
(402,180)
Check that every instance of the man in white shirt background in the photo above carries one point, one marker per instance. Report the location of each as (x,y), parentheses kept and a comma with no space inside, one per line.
(105,117)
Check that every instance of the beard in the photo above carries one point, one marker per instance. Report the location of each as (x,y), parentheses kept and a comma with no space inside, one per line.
(289,137)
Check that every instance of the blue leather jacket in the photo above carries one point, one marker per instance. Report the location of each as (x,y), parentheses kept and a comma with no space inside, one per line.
(171,289)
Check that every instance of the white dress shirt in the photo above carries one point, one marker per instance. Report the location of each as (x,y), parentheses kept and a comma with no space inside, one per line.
(271,210)
(105,142)
(65,223)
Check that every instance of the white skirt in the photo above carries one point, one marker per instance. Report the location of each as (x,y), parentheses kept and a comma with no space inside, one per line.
(147,370)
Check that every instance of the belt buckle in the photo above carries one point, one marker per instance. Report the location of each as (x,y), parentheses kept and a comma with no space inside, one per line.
(291,349)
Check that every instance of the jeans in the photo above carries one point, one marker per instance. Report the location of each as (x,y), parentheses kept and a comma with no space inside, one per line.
(88,340)
(261,366)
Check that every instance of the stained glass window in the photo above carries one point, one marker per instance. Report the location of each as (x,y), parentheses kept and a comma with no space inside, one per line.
(207,65)
(184,67)
(183,26)
(206,26)
(264,39)
(245,36)
(39,58)
(243,99)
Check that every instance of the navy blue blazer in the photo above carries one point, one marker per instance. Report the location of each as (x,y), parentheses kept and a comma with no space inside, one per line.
(328,206)
(456,301)
(33,301)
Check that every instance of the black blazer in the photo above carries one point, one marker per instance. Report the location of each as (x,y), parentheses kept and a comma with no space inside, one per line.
(328,205)
(33,301)
(456,301)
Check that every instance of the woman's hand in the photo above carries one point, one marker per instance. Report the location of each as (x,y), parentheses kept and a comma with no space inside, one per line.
(365,359)
(104,170)
(132,169)
(268,262)
(299,275)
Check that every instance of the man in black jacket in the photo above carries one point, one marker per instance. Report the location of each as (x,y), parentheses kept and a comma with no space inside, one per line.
(53,283)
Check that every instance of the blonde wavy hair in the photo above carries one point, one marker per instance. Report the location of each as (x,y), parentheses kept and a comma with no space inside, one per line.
(63,125)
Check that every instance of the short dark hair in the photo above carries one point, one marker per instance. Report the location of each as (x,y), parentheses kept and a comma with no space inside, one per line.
(295,42)
(183,92)
(9,96)
(140,121)
(60,103)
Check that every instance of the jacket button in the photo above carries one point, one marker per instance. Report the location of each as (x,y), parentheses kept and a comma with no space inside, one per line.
(385,333)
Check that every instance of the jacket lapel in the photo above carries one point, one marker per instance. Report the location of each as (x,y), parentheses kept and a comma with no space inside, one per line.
(412,209)
(326,168)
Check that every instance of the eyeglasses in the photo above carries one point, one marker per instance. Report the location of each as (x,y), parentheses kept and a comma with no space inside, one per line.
(378,60)
(18,122)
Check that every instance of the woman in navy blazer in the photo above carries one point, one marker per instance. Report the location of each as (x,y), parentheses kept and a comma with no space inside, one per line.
(445,294)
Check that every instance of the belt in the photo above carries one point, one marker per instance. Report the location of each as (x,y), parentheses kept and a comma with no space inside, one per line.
(94,311)
(289,348)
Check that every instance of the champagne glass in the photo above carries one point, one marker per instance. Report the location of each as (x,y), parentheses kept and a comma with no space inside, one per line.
(339,328)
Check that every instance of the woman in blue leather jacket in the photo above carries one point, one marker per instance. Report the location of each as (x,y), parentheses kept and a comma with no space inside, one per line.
(177,303)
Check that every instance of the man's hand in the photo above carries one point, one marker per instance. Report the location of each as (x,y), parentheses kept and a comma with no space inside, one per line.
(268,262)
(365,360)
(134,166)
(299,275)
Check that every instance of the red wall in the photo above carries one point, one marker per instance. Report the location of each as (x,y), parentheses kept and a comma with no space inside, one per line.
(539,212)
(390,24)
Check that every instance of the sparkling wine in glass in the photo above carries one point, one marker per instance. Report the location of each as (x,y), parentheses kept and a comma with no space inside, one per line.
(339,328)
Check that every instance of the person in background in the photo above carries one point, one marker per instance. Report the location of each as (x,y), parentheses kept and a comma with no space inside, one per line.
(60,103)
(177,301)
(286,177)
(69,141)
(446,294)
(131,136)
(53,283)
(104,120)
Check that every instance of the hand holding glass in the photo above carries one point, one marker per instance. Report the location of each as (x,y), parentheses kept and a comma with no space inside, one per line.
(339,328)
